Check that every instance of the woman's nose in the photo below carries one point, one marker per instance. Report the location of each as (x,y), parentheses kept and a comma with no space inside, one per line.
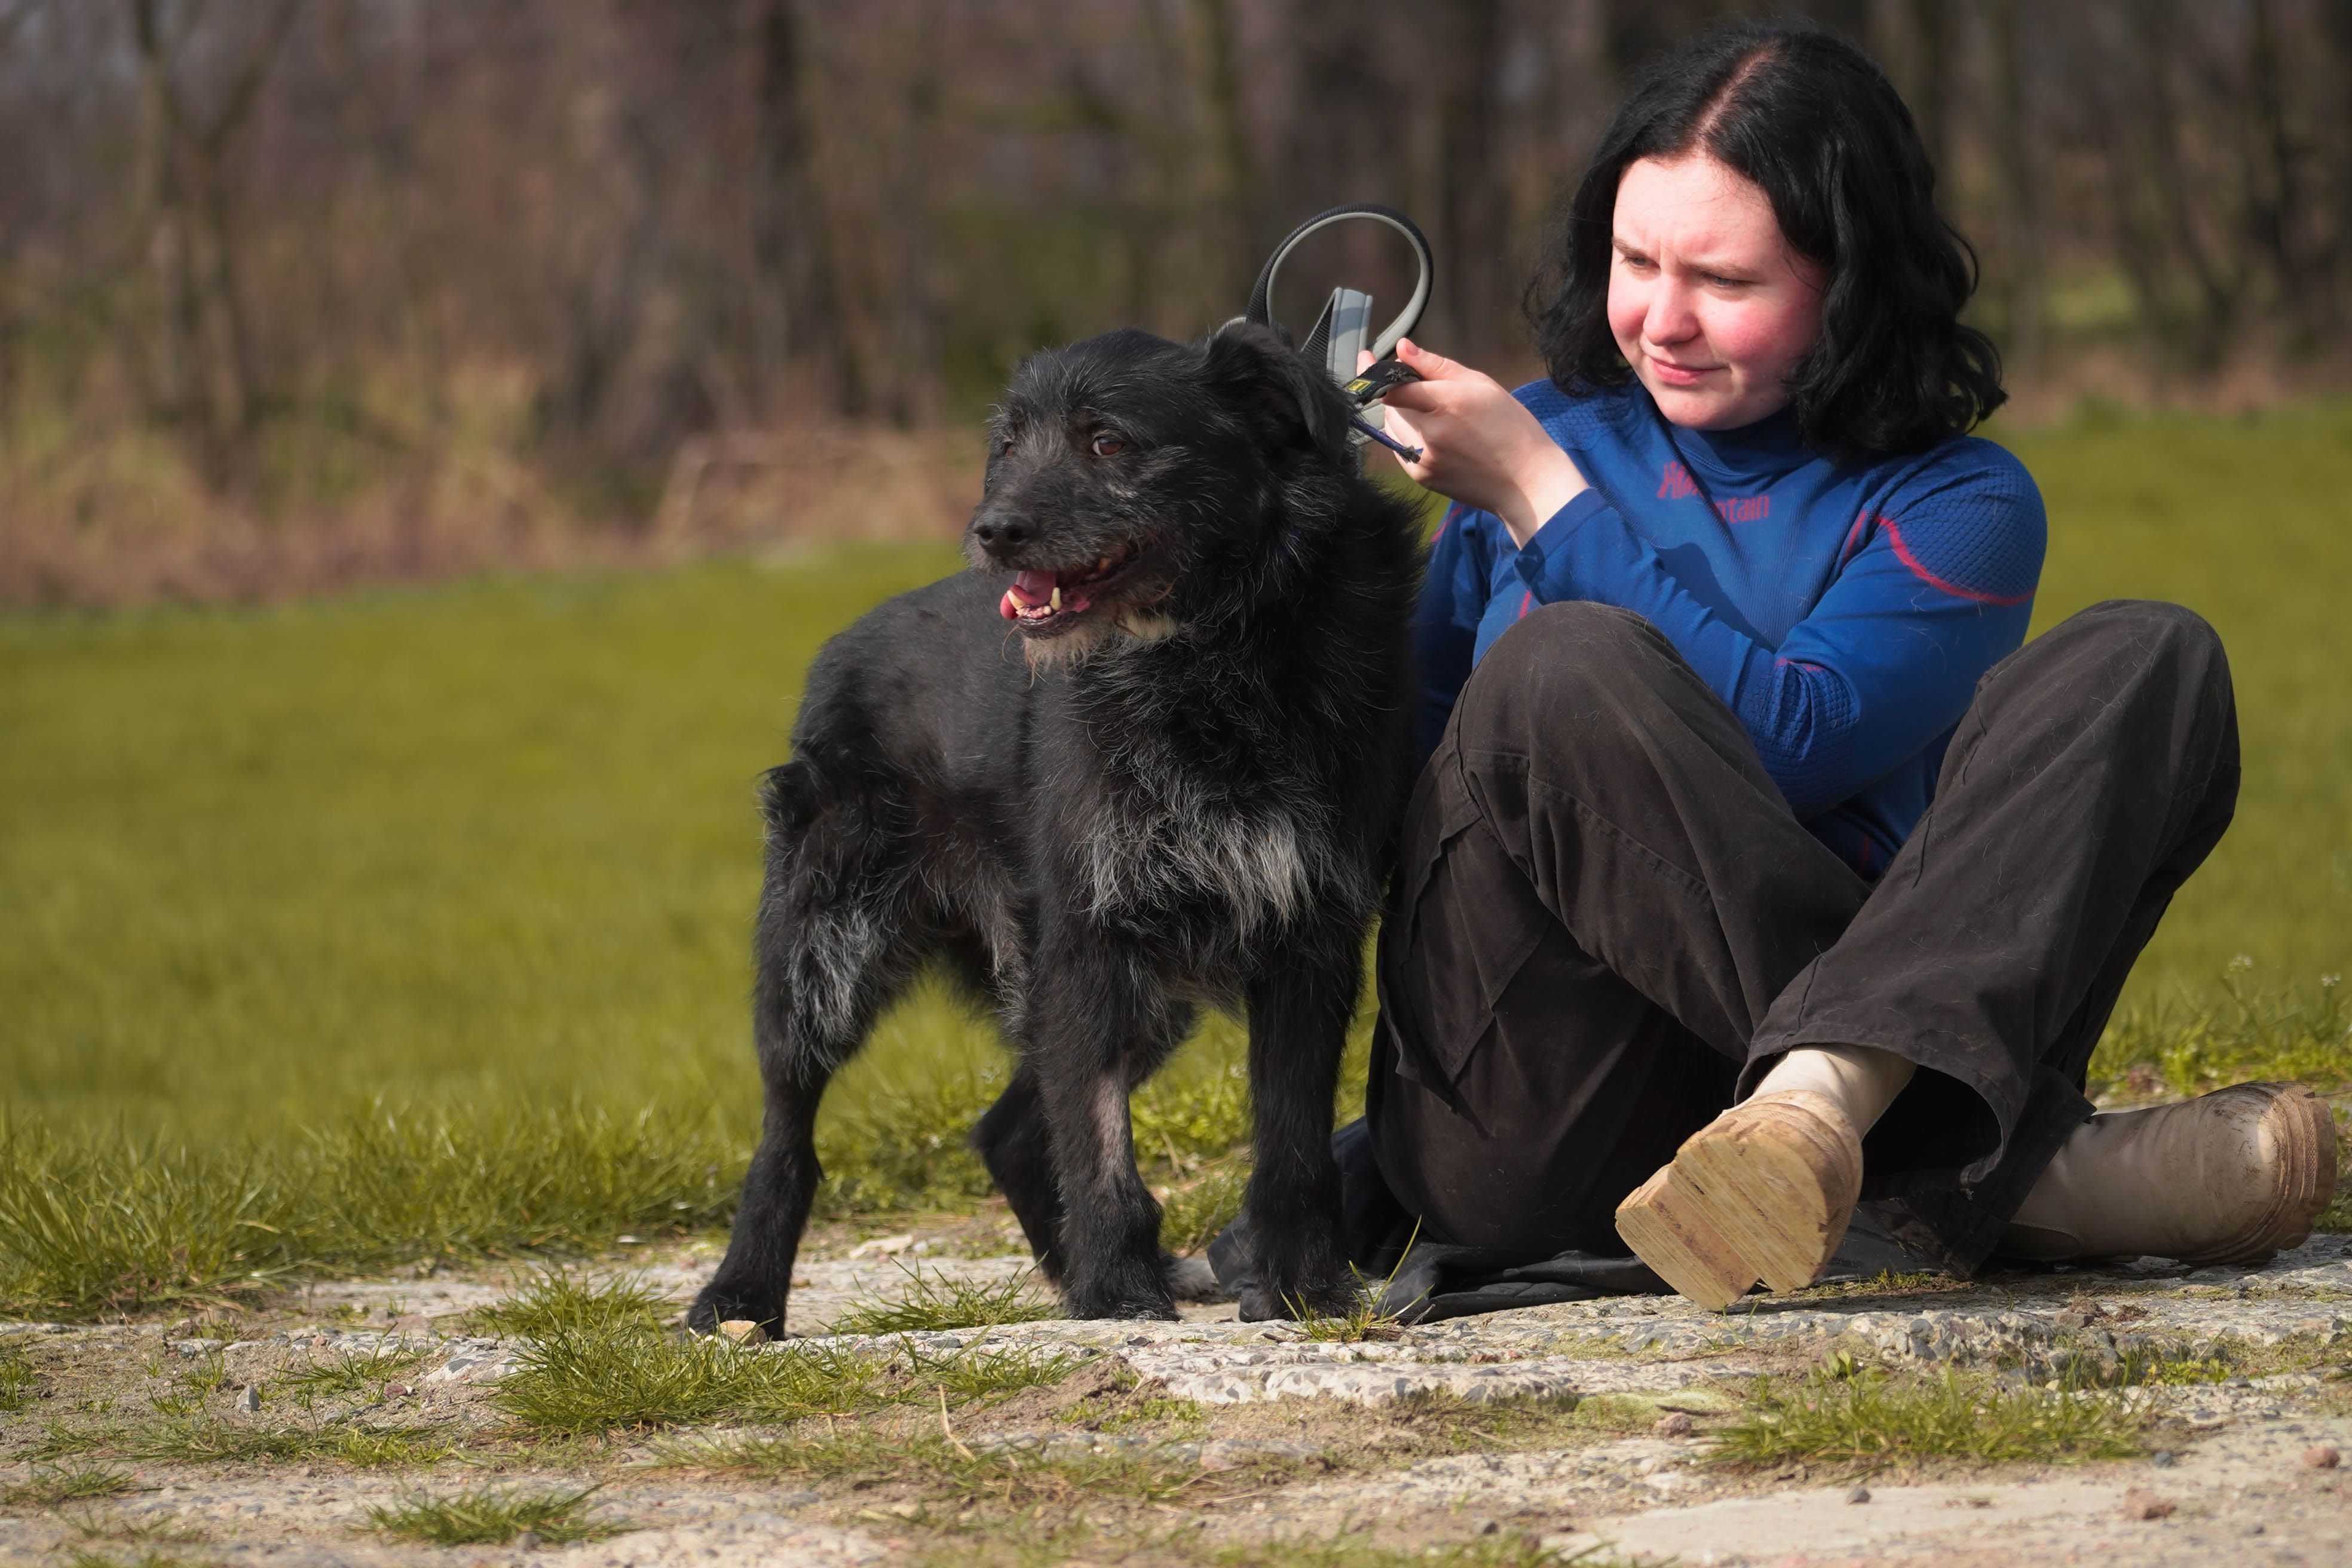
(1670,318)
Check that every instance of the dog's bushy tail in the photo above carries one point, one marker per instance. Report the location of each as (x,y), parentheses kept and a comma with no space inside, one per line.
(834,941)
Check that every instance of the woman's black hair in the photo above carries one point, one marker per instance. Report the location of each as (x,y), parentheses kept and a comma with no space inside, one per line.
(1819,128)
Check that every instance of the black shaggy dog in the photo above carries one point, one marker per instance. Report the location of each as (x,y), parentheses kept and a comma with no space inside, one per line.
(1149,753)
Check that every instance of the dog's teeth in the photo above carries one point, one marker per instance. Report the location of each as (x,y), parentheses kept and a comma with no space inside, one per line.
(1055,602)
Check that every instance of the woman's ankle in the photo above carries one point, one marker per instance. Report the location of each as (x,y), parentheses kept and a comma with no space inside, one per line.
(1861,1081)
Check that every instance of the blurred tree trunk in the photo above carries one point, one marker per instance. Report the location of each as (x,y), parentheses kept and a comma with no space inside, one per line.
(2215,278)
(1472,191)
(1934,26)
(1237,195)
(2275,210)
(793,310)
(2017,147)
(210,384)
(1634,33)
(2336,31)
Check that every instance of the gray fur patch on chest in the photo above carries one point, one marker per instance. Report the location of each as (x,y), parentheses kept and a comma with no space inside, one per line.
(1164,839)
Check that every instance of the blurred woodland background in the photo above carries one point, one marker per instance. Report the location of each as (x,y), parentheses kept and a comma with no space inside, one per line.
(301,292)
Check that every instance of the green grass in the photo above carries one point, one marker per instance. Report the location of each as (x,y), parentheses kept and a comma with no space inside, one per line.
(1514,1551)
(2241,517)
(413,922)
(97,1221)
(934,1300)
(601,1379)
(18,1378)
(390,1448)
(200,1436)
(589,1377)
(49,1485)
(551,1302)
(946,1466)
(1841,1415)
(348,1373)
(490,1516)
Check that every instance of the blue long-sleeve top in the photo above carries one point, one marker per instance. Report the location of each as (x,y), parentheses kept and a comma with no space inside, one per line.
(1843,613)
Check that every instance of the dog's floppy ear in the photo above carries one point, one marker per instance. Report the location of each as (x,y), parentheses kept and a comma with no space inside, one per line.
(1267,382)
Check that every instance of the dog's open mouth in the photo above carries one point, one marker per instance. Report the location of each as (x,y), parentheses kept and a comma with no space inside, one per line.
(1040,602)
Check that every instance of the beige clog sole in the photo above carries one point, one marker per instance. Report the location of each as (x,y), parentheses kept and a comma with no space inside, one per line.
(2299,1135)
(1763,1191)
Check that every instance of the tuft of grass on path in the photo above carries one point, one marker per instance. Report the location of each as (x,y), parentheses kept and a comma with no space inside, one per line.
(1868,1416)
(350,1371)
(552,1301)
(619,1376)
(601,1379)
(1352,1551)
(51,1485)
(18,1378)
(929,1302)
(947,1467)
(391,1449)
(984,1373)
(491,1516)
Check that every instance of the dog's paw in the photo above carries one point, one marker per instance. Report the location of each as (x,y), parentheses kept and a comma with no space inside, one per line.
(718,1304)
(1259,1305)
(1192,1279)
(1149,1305)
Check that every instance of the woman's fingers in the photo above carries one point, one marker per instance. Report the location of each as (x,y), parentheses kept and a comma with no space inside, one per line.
(1404,429)
(1432,366)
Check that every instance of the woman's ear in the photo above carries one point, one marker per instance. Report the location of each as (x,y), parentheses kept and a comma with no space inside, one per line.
(1267,382)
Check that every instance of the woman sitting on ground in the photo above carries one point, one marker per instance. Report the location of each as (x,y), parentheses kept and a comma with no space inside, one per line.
(1755,869)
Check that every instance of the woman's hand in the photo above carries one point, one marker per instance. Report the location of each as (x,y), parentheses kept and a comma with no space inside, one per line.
(1479,445)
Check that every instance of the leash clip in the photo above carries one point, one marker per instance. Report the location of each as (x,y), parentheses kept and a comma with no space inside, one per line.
(1344,330)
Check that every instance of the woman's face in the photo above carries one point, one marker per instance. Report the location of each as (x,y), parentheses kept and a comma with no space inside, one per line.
(1709,304)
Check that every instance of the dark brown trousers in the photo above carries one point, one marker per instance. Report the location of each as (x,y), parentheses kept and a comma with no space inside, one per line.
(1607,923)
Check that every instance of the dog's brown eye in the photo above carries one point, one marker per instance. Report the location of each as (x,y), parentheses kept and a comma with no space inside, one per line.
(1106,444)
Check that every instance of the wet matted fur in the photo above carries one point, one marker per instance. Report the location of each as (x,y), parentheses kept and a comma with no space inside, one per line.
(1149,753)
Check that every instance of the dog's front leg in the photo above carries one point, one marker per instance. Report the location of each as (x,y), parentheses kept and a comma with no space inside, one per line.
(1087,1018)
(1298,1015)
(755,1277)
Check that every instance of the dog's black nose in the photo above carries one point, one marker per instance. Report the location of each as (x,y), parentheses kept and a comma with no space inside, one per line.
(1002,530)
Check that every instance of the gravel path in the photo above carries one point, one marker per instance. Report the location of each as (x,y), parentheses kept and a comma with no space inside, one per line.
(1340,1433)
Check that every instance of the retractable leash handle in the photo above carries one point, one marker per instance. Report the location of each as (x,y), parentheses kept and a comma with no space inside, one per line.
(1344,329)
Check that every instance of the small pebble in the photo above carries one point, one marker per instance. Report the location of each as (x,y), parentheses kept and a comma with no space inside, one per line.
(1673,1424)
(1859,1494)
(2322,1457)
(2255,1529)
(250,1400)
(743,1332)
(528,1541)
(2139,1503)
(1490,1527)
(2162,1458)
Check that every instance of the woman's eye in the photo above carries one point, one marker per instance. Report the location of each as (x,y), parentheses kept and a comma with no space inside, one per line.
(1106,444)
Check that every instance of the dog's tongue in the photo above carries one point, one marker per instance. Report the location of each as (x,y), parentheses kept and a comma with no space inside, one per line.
(1029,590)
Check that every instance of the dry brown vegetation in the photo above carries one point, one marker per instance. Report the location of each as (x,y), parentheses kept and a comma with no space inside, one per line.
(299,292)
